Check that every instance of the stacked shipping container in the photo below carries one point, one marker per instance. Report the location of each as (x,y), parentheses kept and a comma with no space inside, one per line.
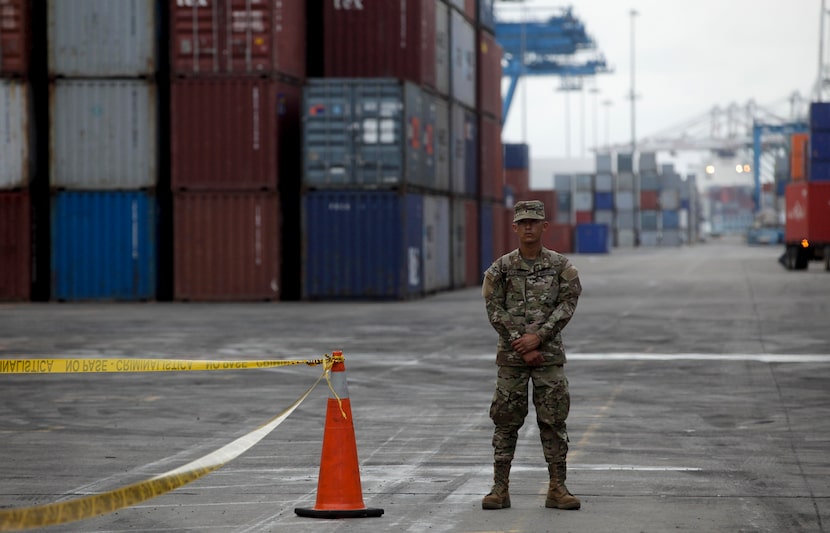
(391,137)
(16,121)
(237,70)
(103,135)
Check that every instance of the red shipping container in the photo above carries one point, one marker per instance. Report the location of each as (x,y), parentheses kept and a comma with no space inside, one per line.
(504,238)
(649,200)
(15,246)
(584,217)
(472,253)
(226,246)
(559,238)
(234,133)
(546,196)
(380,39)
(808,211)
(489,74)
(15,37)
(238,37)
(518,179)
(491,154)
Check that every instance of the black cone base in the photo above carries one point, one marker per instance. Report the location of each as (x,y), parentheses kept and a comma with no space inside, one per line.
(349,513)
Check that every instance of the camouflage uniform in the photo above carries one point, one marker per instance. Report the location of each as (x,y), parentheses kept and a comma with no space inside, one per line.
(531,297)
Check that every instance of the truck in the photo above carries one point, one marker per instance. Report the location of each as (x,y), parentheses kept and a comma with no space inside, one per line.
(807,226)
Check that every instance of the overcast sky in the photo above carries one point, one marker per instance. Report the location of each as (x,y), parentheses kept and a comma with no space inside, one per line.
(689,57)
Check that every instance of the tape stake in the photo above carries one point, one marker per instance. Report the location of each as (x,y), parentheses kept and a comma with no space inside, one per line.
(108,502)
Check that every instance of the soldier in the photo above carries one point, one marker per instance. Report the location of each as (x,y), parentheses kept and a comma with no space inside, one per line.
(530,296)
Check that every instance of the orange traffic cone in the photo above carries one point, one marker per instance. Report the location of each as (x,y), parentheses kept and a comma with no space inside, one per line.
(338,487)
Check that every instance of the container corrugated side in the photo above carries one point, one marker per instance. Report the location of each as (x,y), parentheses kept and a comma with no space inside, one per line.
(226,246)
(16,126)
(458,242)
(592,239)
(366,133)
(473,271)
(103,38)
(380,40)
(442,143)
(104,134)
(465,147)
(362,245)
(489,78)
(238,37)
(103,245)
(15,246)
(15,37)
(436,247)
(808,211)
(443,56)
(234,133)
(491,154)
(463,53)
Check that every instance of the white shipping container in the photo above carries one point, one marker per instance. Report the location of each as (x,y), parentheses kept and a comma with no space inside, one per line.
(442,144)
(603,183)
(436,243)
(671,238)
(583,201)
(684,218)
(625,200)
(442,48)
(104,134)
(625,181)
(649,238)
(102,38)
(604,163)
(15,130)
(670,199)
(463,40)
(626,220)
(626,238)
(584,182)
(604,216)
(648,162)
(563,182)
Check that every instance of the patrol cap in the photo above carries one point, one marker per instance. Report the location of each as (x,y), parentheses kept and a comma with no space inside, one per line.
(533,209)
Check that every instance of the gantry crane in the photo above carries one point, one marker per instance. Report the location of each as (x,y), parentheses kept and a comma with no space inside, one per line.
(546,48)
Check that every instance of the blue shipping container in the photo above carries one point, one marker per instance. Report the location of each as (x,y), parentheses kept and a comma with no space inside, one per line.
(819,116)
(364,245)
(819,169)
(604,200)
(592,238)
(516,156)
(671,219)
(367,132)
(103,245)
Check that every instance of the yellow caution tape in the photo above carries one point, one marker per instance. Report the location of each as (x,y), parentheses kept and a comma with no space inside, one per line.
(108,502)
(73,366)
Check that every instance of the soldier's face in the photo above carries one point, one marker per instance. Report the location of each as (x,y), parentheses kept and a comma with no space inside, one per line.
(530,230)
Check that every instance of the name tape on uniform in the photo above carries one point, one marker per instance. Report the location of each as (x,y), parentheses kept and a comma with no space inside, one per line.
(79,366)
(108,502)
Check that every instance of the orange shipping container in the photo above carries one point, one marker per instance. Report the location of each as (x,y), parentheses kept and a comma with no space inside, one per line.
(559,238)
(798,156)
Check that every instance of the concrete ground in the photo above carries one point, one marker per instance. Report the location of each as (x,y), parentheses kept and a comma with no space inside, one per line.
(699,381)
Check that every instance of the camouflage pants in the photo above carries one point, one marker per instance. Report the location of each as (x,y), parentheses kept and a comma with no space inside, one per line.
(510,407)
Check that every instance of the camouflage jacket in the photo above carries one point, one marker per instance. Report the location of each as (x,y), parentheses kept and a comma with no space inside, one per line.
(538,299)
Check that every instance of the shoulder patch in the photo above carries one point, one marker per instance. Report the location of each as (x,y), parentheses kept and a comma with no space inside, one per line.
(570,273)
(487,285)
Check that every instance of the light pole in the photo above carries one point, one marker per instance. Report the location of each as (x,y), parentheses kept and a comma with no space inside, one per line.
(595,92)
(607,104)
(633,94)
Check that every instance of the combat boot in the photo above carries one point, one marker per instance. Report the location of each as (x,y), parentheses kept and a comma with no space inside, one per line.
(559,497)
(498,498)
